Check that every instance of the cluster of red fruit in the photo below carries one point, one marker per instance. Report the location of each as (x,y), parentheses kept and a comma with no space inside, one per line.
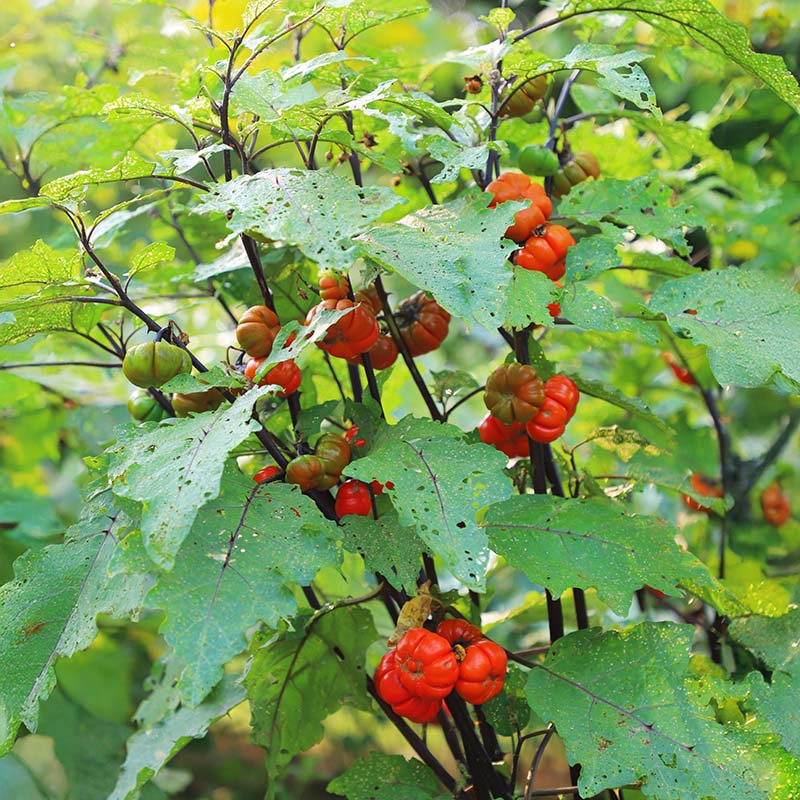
(775,505)
(544,246)
(705,486)
(425,667)
(256,333)
(355,333)
(323,469)
(521,405)
(422,322)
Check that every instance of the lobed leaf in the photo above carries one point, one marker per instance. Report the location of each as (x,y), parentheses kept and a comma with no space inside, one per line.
(387,547)
(588,543)
(455,251)
(172,470)
(318,211)
(380,776)
(323,658)
(237,567)
(440,485)
(699,21)
(49,612)
(621,704)
(750,325)
(151,748)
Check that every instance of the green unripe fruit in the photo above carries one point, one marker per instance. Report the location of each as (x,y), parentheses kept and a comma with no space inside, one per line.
(580,167)
(538,161)
(535,88)
(154,363)
(197,402)
(144,408)
(517,104)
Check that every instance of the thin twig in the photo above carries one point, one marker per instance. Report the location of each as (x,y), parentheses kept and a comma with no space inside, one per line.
(98,364)
(537,760)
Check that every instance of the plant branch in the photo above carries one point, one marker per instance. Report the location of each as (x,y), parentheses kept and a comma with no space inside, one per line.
(394,330)
(537,760)
(463,400)
(98,364)
(414,740)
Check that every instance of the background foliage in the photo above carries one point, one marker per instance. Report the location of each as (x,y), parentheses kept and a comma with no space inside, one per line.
(144,573)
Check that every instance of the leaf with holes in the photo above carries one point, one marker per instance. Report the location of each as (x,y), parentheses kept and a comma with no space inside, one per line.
(527,298)
(698,21)
(559,543)
(619,72)
(508,712)
(440,485)
(71,189)
(388,548)
(621,704)
(321,657)
(237,567)
(41,290)
(776,642)
(750,325)
(267,95)
(168,473)
(456,251)
(380,776)
(48,612)
(318,211)
(632,405)
(644,205)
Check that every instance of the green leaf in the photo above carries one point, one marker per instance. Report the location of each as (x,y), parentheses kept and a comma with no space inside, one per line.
(643,204)
(447,384)
(501,18)
(304,68)
(185,160)
(245,552)
(648,262)
(456,156)
(89,748)
(380,776)
(267,96)
(316,210)
(633,405)
(623,728)
(187,383)
(699,21)
(388,548)
(73,187)
(173,469)
(508,713)
(440,485)
(751,325)
(591,256)
(49,612)
(151,748)
(529,294)
(140,105)
(774,640)
(588,543)
(357,16)
(594,312)
(151,256)
(455,251)
(23,204)
(323,659)
(619,72)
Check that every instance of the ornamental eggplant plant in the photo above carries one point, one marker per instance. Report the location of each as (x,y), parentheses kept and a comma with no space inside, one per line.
(462,449)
